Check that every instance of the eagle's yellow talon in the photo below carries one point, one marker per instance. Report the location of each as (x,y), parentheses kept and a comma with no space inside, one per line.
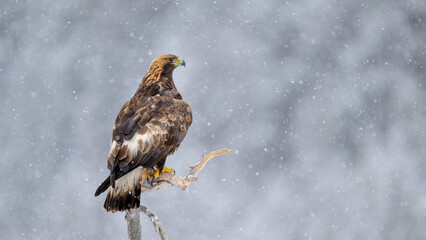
(153,174)
(170,170)
(156,173)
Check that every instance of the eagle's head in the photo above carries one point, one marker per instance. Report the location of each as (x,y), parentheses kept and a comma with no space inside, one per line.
(161,70)
(168,62)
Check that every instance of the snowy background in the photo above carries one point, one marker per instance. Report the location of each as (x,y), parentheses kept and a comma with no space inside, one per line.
(323,102)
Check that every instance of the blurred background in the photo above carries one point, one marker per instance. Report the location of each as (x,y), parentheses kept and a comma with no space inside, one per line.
(322,101)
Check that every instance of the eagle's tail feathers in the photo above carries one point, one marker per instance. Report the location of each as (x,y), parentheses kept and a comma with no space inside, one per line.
(121,201)
(127,191)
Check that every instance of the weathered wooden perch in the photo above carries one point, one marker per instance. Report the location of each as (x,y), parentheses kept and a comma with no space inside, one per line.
(165,179)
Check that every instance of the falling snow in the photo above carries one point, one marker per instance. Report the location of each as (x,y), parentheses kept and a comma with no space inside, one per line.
(323,103)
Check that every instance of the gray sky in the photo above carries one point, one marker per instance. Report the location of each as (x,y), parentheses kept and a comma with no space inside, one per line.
(322,101)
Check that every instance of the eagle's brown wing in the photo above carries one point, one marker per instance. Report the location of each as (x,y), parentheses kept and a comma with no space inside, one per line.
(145,133)
(149,133)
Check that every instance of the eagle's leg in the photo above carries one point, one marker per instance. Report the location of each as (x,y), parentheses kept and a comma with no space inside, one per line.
(161,165)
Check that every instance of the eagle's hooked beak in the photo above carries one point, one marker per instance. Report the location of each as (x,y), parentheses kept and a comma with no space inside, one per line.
(179,62)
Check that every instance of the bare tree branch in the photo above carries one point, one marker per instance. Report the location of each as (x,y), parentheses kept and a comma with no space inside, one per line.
(133,219)
(165,179)
(156,221)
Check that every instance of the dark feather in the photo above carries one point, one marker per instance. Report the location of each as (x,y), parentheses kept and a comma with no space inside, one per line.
(103,187)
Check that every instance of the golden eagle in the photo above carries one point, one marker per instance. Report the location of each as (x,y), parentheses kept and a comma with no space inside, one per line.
(148,128)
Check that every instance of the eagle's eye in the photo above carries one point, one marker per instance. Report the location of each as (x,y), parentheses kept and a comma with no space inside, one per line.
(174,61)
